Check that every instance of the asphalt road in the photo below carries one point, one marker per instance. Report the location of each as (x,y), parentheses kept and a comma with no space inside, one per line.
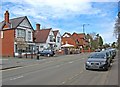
(61,70)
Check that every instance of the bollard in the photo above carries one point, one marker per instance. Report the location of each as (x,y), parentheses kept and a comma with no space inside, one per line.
(37,57)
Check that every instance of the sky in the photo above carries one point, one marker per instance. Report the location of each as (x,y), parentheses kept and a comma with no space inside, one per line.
(99,16)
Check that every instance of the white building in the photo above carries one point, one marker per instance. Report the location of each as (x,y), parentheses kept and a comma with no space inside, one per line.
(57,39)
(44,38)
(24,30)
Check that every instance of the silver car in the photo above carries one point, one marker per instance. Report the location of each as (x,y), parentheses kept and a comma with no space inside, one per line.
(98,60)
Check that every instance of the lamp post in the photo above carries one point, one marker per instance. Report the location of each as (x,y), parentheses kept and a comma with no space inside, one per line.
(84,27)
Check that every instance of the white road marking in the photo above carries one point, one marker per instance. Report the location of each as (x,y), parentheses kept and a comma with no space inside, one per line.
(63,82)
(57,66)
(16,78)
(71,62)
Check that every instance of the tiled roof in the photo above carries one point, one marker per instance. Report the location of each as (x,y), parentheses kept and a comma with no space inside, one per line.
(41,35)
(15,22)
(74,38)
(68,40)
(81,35)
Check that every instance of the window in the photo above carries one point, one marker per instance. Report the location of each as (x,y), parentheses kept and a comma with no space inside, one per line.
(16,50)
(29,35)
(21,33)
(51,38)
(41,46)
(58,39)
(37,48)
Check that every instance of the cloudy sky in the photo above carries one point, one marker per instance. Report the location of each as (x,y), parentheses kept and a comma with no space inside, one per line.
(67,15)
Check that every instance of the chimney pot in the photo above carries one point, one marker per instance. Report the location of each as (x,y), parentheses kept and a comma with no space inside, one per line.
(6,17)
(37,27)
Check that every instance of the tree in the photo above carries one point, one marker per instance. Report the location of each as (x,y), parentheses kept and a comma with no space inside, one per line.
(113,45)
(100,41)
(21,45)
(117,29)
(93,34)
(96,40)
(106,45)
(90,39)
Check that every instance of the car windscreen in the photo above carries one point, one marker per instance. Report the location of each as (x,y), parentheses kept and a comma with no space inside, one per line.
(97,55)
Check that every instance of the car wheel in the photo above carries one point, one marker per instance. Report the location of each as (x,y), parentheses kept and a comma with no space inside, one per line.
(106,69)
(86,68)
(48,55)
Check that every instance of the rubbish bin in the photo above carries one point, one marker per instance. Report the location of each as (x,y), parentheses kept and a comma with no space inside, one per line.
(37,56)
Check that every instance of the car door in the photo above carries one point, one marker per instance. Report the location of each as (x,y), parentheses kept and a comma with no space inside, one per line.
(108,57)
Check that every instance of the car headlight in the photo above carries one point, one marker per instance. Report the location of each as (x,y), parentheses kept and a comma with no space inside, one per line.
(87,62)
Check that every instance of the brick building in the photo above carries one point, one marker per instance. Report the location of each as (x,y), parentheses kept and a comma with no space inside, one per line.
(13,29)
(78,40)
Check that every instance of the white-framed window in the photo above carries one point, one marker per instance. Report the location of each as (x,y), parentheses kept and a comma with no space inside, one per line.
(21,33)
(51,38)
(58,39)
(41,46)
(29,35)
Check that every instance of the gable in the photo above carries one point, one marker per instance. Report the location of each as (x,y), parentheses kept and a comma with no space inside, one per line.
(66,35)
(25,23)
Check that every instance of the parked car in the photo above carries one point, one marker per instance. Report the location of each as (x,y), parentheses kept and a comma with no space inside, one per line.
(47,53)
(97,50)
(98,60)
(113,53)
(109,55)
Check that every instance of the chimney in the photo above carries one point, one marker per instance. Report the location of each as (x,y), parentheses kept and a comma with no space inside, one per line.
(37,27)
(6,15)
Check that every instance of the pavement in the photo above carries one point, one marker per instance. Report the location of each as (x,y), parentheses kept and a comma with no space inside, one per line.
(14,62)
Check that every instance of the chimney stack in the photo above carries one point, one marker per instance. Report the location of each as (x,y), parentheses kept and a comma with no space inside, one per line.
(37,27)
(6,15)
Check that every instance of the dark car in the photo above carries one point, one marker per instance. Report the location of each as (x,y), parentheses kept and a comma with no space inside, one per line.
(113,53)
(47,53)
(98,60)
(97,50)
(109,55)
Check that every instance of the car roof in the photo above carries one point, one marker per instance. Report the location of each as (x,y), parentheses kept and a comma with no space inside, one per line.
(97,53)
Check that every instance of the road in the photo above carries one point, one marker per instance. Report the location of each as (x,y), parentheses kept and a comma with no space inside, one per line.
(61,70)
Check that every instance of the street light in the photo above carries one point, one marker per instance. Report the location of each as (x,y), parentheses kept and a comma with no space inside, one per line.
(84,27)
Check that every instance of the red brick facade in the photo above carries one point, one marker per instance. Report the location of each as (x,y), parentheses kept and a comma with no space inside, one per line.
(7,43)
(68,40)
(7,37)
(75,39)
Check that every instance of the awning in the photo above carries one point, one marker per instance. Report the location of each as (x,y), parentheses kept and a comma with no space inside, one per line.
(67,45)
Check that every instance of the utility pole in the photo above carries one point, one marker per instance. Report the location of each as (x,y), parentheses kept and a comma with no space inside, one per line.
(84,27)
